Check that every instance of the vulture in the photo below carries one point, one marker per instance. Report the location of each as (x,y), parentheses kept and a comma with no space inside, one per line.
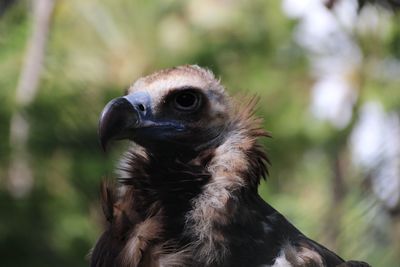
(186,188)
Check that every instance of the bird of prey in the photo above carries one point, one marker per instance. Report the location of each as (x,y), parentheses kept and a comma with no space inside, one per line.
(186,193)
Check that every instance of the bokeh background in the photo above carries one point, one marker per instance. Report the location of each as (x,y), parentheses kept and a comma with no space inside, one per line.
(327,74)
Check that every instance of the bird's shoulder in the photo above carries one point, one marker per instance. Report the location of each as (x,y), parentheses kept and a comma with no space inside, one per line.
(292,246)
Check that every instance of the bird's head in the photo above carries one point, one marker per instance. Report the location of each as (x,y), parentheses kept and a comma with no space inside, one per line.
(178,109)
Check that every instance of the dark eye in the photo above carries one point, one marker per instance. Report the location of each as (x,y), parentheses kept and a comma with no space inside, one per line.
(187,101)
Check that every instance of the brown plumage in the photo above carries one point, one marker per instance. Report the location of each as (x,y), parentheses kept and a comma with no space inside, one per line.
(187,188)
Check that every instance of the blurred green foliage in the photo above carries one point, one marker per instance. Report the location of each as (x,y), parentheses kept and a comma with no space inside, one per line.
(96,49)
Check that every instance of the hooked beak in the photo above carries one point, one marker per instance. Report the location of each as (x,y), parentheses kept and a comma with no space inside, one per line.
(118,120)
(131,117)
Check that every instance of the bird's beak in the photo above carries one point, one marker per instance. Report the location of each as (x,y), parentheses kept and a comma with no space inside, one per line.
(118,120)
(131,117)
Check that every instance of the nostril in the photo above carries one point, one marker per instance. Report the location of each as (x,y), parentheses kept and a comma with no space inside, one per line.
(141,107)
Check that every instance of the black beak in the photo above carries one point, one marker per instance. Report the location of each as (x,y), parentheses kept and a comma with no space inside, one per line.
(117,121)
(131,117)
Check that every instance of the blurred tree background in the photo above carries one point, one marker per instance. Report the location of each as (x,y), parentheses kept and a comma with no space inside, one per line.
(327,74)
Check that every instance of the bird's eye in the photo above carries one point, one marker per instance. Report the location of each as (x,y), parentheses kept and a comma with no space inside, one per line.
(187,101)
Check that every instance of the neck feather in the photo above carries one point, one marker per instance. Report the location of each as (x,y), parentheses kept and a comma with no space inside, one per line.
(235,170)
(203,192)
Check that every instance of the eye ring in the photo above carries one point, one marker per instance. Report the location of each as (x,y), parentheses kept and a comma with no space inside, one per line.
(187,101)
